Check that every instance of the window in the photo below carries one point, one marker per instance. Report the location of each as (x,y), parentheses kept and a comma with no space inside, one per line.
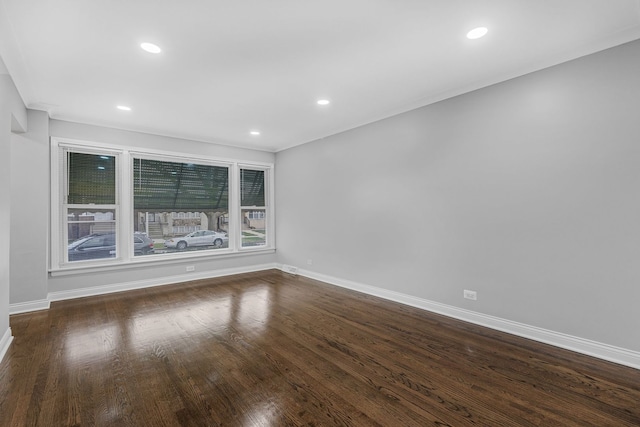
(172,201)
(253,207)
(90,205)
(115,206)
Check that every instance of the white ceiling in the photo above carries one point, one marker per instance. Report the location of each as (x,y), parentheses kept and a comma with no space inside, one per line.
(229,67)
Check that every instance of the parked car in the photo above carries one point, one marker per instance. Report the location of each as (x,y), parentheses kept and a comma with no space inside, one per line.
(96,246)
(198,238)
(142,244)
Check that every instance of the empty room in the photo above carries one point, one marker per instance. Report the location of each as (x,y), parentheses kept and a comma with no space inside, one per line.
(305,213)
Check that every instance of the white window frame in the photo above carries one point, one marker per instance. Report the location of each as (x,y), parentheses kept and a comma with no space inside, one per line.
(124,206)
(59,218)
(182,159)
(268,208)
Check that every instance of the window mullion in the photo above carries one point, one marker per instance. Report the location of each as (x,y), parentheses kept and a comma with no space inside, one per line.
(234,203)
(125,198)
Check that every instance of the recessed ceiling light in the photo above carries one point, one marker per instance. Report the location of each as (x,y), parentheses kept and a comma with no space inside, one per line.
(476,33)
(323,102)
(254,133)
(151,48)
(123,108)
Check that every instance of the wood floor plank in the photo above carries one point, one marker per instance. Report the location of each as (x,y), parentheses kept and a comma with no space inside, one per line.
(272,349)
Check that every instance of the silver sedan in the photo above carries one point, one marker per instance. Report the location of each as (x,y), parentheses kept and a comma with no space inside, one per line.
(197,238)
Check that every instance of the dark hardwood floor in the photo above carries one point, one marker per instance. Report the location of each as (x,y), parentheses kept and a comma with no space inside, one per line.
(270,349)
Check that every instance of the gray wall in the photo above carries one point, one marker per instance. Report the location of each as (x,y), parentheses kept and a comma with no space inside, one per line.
(164,270)
(30,210)
(526,192)
(12,117)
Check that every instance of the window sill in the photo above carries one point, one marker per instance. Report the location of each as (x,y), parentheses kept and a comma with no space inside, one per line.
(153,260)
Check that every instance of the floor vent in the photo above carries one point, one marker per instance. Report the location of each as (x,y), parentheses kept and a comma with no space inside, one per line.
(290,269)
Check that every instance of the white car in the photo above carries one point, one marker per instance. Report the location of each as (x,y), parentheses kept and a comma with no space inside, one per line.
(197,238)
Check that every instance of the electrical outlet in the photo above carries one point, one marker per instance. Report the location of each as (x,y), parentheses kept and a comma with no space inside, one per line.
(191,268)
(470,295)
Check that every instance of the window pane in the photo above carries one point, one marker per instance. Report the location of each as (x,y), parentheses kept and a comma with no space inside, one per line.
(91,179)
(252,187)
(254,227)
(91,234)
(181,206)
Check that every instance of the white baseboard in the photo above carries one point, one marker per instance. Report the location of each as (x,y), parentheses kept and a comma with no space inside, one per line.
(580,345)
(25,307)
(5,342)
(140,284)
